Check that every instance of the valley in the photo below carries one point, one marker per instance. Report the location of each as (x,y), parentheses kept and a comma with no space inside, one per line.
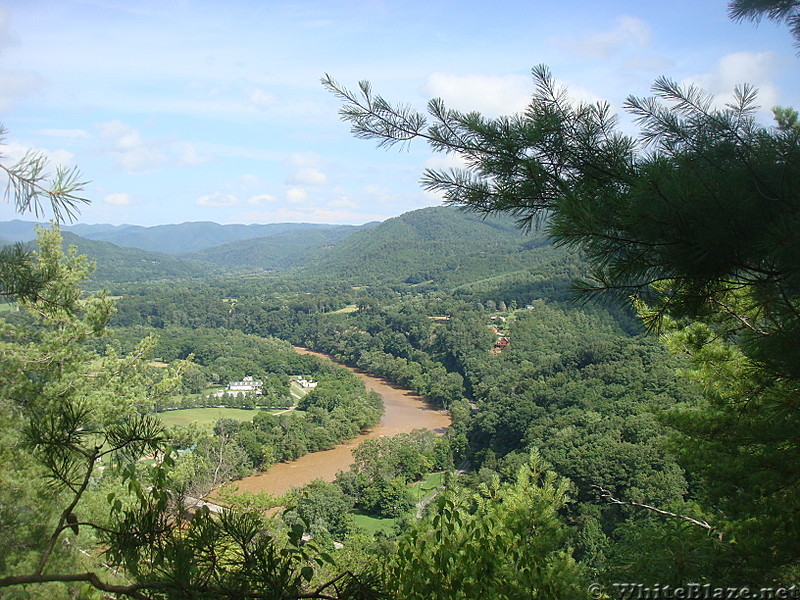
(404,411)
(434,339)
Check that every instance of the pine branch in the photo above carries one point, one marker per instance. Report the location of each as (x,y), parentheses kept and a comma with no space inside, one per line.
(26,186)
(67,513)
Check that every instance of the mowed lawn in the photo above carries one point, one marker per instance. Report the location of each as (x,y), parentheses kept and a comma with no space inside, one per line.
(373,524)
(206,417)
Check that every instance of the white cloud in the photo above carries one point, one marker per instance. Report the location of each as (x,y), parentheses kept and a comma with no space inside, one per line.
(342,202)
(141,159)
(133,153)
(261,200)
(580,94)
(649,64)
(311,215)
(262,100)
(120,136)
(628,32)
(378,194)
(118,199)
(249,181)
(15,150)
(492,95)
(130,151)
(755,68)
(308,176)
(217,200)
(444,162)
(6,37)
(296,195)
(17,85)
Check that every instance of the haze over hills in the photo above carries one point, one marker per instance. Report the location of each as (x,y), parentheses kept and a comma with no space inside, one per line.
(444,245)
(283,250)
(117,264)
(172,239)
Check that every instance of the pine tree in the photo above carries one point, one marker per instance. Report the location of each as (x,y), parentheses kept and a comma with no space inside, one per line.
(29,185)
(696,220)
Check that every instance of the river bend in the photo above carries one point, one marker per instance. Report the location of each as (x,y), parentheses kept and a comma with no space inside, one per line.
(404,411)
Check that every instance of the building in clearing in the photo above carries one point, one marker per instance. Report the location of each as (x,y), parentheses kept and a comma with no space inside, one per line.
(305,383)
(247,385)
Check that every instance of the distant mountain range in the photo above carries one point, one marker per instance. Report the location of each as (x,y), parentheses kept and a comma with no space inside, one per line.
(439,245)
(172,239)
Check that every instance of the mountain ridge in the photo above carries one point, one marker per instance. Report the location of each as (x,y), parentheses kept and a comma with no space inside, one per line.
(171,238)
(434,246)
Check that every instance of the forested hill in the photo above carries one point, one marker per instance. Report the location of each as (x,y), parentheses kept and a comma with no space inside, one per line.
(171,239)
(437,247)
(117,265)
(284,250)
(442,246)
(196,236)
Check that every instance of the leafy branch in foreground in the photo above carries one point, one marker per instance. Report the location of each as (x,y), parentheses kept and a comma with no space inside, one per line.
(609,497)
(648,210)
(164,553)
(73,421)
(505,541)
(787,11)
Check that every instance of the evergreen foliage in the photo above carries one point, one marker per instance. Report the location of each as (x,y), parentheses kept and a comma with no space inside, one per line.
(29,186)
(786,11)
(696,221)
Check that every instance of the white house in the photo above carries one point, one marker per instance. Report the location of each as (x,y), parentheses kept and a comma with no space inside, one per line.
(305,383)
(246,385)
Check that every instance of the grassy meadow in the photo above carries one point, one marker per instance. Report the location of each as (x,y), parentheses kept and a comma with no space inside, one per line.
(205,416)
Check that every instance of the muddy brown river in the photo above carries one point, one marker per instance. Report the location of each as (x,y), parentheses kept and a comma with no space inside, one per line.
(404,412)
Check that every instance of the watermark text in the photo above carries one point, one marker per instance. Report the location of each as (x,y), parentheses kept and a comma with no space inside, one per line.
(690,591)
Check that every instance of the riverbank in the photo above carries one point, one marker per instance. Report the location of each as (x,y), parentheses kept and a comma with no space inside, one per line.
(404,411)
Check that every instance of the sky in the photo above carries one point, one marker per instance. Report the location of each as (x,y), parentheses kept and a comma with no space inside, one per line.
(200,110)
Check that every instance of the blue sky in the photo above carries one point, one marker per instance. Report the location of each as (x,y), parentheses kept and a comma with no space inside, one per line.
(213,111)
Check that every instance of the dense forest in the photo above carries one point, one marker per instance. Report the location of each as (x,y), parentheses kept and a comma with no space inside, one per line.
(577,388)
(610,324)
(580,384)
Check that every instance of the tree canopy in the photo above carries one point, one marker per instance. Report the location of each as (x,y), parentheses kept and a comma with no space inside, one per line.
(695,220)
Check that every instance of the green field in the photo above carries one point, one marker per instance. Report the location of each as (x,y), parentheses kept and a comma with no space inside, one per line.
(373,524)
(432,482)
(350,308)
(205,416)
